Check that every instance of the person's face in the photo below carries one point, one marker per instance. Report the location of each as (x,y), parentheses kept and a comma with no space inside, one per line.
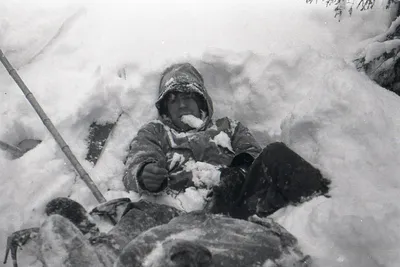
(180,104)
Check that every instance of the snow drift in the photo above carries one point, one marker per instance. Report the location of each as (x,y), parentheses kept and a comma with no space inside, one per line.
(282,68)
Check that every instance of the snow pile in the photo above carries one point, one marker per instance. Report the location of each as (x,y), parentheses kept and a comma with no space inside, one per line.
(176,160)
(374,50)
(192,121)
(380,44)
(39,23)
(190,200)
(204,175)
(294,85)
(223,140)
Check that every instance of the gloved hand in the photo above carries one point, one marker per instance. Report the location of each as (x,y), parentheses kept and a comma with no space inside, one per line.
(153,176)
(181,180)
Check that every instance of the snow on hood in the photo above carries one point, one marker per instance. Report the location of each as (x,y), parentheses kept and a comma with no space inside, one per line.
(183,77)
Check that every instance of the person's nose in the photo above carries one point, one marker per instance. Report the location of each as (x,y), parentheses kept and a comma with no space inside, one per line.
(182,103)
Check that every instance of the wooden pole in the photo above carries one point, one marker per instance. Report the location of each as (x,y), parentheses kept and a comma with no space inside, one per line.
(52,129)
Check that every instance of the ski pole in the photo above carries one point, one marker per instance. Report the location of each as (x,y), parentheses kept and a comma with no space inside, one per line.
(52,129)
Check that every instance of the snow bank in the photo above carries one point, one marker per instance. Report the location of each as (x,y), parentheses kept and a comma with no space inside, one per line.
(295,86)
(204,175)
(350,131)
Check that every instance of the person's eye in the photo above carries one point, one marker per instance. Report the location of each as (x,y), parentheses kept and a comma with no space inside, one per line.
(186,96)
(171,98)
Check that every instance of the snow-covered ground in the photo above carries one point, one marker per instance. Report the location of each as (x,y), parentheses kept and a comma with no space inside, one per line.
(282,67)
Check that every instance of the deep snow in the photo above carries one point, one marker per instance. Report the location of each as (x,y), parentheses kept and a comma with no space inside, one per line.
(283,68)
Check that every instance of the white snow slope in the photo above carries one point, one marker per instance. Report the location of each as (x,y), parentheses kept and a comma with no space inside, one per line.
(281,67)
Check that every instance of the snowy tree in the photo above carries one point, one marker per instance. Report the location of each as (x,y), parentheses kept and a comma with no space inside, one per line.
(380,60)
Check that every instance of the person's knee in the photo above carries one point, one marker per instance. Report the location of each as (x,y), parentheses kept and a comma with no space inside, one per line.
(273,147)
(73,211)
(294,177)
(67,208)
(63,244)
(276,151)
(58,225)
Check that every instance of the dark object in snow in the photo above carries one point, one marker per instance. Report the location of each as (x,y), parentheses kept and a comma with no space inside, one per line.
(73,211)
(286,174)
(136,218)
(99,133)
(133,218)
(69,225)
(277,177)
(19,239)
(207,240)
(139,217)
(16,152)
(112,210)
(28,144)
(150,234)
(98,136)
(104,247)
(21,148)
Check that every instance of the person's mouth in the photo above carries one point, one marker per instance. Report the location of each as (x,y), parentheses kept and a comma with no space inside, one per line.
(184,113)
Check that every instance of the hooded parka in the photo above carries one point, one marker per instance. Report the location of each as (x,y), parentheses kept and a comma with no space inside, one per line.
(162,142)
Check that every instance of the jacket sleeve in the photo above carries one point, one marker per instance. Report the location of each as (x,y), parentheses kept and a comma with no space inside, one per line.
(244,144)
(145,148)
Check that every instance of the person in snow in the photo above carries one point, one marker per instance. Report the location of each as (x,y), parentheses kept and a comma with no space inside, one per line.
(252,180)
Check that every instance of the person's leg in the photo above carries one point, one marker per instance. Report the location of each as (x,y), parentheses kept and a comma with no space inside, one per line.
(258,187)
(224,196)
(238,193)
(63,244)
(74,212)
(278,177)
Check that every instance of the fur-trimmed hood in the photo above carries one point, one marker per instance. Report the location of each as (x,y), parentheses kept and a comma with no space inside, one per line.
(183,77)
